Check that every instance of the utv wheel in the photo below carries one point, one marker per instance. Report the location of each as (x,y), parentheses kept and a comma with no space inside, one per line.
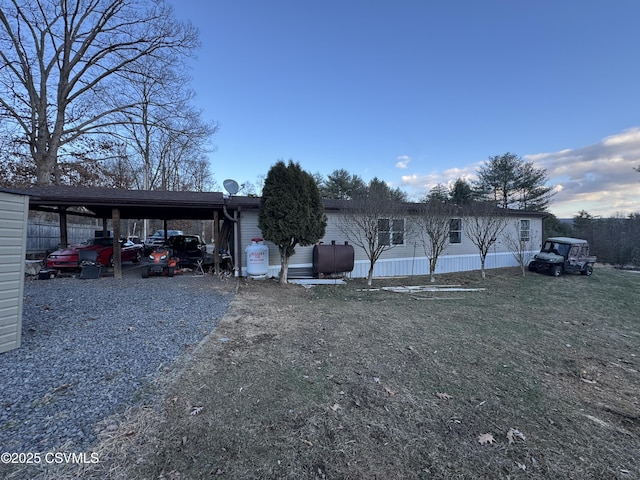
(556,270)
(138,258)
(170,271)
(145,272)
(588,271)
(532,267)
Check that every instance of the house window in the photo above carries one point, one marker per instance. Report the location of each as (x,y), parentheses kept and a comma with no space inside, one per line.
(525,230)
(455,230)
(391,231)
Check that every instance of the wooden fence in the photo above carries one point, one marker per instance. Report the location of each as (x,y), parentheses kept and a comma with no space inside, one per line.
(45,237)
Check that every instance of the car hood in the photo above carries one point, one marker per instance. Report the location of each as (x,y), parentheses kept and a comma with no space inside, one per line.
(549,257)
(70,250)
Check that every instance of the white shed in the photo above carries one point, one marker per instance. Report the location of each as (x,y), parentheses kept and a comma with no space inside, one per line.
(14,209)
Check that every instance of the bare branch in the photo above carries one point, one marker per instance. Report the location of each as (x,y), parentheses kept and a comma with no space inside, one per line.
(58,61)
(432,228)
(483,226)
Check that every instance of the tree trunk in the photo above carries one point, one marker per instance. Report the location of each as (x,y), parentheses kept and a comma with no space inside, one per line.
(284,267)
(432,270)
(117,248)
(482,259)
(370,275)
(45,168)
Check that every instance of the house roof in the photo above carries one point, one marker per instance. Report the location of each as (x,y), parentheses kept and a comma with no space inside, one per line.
(166,205)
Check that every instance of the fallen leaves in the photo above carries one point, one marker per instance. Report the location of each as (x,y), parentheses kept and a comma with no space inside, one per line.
(443,396)
(486,439)
(513,435)
(196,410)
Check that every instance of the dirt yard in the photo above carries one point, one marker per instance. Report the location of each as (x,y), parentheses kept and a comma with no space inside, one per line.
(527,377)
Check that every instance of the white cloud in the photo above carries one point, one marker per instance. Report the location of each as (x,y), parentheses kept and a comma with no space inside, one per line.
(417,186)
(629,137)
(403,161)
(598,178)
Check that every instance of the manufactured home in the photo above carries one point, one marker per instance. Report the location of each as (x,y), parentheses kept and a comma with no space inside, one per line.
(407,255)
(235,224)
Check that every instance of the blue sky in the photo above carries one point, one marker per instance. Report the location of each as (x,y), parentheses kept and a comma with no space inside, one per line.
(420,92)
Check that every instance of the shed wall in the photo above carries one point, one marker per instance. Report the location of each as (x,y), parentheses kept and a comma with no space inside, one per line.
(14,210)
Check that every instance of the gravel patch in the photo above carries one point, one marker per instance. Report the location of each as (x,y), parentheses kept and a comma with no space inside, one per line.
(93,348)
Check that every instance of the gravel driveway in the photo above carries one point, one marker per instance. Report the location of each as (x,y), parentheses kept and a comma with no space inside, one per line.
(92,348)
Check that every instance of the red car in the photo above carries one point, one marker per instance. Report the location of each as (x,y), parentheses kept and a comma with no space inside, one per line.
(67,258)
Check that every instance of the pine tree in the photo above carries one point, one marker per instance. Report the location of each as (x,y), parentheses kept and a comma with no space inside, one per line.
(511,182)
(461,192)
(291,211)
(342,185)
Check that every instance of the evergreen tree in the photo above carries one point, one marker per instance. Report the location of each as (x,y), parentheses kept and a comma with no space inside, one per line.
(379,188)
(553,227)
(584,225)
(461,192)
(291,211)
(341,185)
(439,193)
(513,183)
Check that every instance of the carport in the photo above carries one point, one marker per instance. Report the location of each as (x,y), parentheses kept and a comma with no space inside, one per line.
(117,204)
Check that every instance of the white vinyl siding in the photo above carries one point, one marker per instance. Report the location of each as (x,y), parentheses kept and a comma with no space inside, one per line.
(13,239)
(407,258)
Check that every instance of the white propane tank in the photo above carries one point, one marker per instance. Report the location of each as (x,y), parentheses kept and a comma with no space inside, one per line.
(257,258)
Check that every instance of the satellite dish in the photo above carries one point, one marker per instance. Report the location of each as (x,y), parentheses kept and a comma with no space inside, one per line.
(231,186)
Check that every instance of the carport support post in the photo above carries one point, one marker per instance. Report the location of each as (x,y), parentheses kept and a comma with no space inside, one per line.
(64,240)
(236,234)
(117,251)
(216,239)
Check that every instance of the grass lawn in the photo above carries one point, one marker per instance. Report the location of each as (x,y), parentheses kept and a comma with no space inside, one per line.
(532,377)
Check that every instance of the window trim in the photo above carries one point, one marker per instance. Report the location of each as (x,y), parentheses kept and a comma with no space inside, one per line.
(458,231)
(523,230)
(391,232)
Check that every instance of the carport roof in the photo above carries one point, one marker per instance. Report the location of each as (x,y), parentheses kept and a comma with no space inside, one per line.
(100,201)
(163,204)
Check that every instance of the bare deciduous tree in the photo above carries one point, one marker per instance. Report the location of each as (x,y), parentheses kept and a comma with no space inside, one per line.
(60,60)
(165,136)
(483,226)
(432,228)
(373,220)
(521,242)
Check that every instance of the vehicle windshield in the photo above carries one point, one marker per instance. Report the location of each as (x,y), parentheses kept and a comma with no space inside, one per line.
(105,241)
(557,248)
(170,233)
